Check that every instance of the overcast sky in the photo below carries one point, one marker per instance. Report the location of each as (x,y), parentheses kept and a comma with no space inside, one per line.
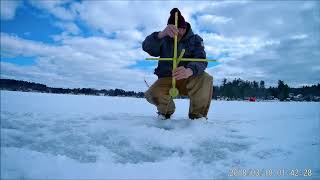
(97,44)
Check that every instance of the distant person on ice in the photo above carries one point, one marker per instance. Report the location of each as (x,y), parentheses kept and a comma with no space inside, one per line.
(191,78)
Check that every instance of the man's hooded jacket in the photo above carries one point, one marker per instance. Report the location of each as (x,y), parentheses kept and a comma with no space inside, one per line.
(192,43)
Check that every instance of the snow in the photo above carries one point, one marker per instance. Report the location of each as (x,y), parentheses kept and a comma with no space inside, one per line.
(95,137)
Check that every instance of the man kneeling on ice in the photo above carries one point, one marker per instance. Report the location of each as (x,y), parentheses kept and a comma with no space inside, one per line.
(191,79)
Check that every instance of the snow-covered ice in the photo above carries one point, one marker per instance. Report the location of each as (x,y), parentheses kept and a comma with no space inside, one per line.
(94,137)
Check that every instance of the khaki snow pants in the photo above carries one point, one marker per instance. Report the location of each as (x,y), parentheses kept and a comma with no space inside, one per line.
(198,88)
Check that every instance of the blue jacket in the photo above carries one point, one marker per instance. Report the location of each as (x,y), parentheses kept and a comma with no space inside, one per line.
(192,43)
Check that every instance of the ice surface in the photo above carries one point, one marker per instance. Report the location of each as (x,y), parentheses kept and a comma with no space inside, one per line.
(90,137)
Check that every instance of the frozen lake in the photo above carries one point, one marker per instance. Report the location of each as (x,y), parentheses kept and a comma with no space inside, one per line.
(93,137)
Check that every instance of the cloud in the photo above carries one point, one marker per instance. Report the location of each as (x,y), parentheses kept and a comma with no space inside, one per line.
(77,62)
(8,8)
(68,27)
(254,40)
(57,8)
(110,16)
(293,60)
(299,36)
(212,19)
(266,41)
(235,47)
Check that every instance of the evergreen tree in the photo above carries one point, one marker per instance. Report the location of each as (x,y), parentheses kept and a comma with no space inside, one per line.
(283,90)
(262,85)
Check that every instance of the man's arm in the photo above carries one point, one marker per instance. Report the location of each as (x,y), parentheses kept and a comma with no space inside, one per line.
(198,52)
(152,44)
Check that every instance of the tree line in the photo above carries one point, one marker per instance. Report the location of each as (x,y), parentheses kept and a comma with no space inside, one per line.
(17,85)
(240,89)
(236,89)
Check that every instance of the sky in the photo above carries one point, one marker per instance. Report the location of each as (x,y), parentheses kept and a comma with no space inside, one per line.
(97,44)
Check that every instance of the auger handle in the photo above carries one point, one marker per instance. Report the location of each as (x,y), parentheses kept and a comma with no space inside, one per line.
(181,55)
(174,64)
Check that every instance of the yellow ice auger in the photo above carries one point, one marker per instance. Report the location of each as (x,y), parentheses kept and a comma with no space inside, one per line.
(174,91)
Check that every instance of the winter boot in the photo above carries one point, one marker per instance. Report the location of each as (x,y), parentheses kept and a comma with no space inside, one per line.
(163,116)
